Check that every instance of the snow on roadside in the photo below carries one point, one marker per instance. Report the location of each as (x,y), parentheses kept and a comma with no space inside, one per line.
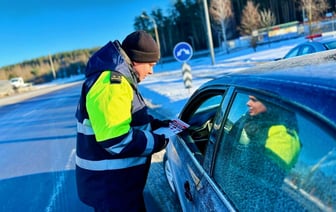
(165,91)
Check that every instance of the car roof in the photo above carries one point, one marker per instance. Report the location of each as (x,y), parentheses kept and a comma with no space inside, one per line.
(308,80)
(324,39)
(318,41)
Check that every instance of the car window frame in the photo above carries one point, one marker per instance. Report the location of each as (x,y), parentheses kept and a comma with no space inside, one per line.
(192,106)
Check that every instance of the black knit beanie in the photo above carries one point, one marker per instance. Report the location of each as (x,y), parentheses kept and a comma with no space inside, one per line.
(141,47)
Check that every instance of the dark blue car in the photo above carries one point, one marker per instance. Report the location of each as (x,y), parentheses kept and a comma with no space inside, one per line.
(283,160)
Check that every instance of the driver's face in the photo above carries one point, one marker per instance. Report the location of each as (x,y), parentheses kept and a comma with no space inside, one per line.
(255,106)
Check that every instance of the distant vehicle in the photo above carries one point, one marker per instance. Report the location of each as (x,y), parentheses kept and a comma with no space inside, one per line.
(17,82)
(216,165)
(316,43)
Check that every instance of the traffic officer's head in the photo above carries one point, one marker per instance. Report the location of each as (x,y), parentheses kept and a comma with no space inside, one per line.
(143,51)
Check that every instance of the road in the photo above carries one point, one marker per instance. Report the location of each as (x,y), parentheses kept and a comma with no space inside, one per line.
(37,149)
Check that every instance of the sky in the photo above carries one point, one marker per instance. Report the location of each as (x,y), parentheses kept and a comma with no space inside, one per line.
(36,28)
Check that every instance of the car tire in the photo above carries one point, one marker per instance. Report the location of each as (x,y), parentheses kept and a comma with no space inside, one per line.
(168,174)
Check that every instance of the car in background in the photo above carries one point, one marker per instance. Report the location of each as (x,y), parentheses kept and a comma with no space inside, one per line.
(215,165)
(17,82)
(315,43)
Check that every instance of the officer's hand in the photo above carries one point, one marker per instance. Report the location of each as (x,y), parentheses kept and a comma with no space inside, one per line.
(160,142)
(156,123)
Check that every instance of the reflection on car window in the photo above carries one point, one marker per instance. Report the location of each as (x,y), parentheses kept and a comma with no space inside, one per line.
(293,53)
(277,160)
(331,45)
(200,122)
(307,50)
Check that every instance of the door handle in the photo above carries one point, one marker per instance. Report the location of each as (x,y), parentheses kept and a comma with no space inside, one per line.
(187,191)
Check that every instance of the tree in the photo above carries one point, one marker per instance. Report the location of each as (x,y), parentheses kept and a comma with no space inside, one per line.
(220,10)
(315,10)
(250,22)
(267,19)
(141,23)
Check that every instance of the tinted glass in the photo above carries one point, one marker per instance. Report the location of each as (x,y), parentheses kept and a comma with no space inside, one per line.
(278,160)
(306,50)
(292,53)
(331,45)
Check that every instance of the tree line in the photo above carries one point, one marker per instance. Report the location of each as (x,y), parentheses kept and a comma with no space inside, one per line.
(47,68)
(185,21)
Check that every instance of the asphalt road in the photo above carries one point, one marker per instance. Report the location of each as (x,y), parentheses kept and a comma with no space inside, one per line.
(37,149)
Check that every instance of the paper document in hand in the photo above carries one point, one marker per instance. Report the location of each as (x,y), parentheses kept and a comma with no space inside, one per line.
(175,126)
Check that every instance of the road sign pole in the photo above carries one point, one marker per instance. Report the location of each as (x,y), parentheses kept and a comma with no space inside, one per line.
(187,76)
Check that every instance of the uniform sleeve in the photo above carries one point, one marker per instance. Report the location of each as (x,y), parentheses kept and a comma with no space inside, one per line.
(109,107)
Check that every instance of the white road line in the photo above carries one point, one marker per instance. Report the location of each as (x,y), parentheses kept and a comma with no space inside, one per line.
(60,182)
(27,114)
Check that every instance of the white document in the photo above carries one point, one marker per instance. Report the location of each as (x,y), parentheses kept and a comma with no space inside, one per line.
(175,126)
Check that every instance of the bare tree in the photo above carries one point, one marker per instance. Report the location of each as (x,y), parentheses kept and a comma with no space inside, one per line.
(250,22)
(315,10)
(220,10)
(267,18)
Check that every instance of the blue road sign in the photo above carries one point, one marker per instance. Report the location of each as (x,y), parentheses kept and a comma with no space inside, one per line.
(182,51)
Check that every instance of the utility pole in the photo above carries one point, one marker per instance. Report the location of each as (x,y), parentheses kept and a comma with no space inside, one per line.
(206,11)
(52,67)
(155,29)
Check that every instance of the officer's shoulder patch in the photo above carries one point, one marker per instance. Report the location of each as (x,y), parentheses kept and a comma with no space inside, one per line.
(115,77)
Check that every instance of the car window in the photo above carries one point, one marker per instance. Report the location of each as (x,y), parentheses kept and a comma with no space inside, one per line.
(306,50)
(294,52)
(331,45)
(280,160)
(200,119)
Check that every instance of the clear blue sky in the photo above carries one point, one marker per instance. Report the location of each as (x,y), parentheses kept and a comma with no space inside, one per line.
(35,28)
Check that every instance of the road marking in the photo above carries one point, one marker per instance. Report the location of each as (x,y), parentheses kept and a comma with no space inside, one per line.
(27,114)
(59,183)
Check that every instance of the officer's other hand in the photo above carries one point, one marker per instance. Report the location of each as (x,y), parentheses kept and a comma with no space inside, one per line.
(156,123)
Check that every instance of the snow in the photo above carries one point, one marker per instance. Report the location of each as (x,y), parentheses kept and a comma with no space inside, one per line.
(165,90)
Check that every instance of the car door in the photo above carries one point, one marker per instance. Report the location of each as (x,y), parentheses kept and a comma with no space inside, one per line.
(190,146)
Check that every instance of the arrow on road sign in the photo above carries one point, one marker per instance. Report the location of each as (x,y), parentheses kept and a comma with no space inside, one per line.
(182,51)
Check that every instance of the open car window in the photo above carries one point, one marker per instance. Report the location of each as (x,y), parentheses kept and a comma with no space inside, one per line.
(200,118)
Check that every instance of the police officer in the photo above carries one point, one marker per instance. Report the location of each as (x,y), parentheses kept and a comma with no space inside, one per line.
(115,138)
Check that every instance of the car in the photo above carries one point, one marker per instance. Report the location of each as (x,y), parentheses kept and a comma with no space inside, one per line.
(315,43)
(215,165)
(17,82)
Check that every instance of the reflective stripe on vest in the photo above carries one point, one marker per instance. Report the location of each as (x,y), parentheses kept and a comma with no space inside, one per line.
(150,143)
(117,148)
(85,127)
(111,164)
